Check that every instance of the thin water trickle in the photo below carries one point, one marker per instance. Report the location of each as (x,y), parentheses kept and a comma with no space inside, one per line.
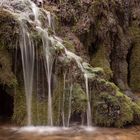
(49,74)
(89,118)
(70,99)
(63,101)
(27,53)
(48,62)
(80,65)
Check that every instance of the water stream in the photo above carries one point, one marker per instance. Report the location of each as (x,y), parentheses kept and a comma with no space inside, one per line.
(27,13)
(77,133)
(89,118)
(27,53)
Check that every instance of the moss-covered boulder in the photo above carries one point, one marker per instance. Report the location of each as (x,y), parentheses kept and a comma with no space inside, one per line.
(8,40)
(100,59)
(7,76)
(9,30)
(113,108)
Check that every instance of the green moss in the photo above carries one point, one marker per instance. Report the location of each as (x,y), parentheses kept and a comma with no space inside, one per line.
(69,45)
(39,109)
(79,99)
(7,77)
(19,115)
(126,111)
(60,104)
(57,101)
(112,108)
(8,36)
(9,31)
(99,59)
(61,101)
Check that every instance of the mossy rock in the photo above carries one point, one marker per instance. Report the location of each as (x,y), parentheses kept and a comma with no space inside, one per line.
(19,115)
(62,98)
(100,59)
(39,109)
(7,76)
(60,104)
(113,108)
(69,45)
(8,40)
(79,99)
(135,59)
(9,30)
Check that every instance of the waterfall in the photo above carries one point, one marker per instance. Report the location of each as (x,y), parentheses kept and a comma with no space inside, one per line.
(25,10)
(28,59)
(63,101)
(48,62)
(29,14)
(69,110)
(27,53)
(89,118)
(87,75)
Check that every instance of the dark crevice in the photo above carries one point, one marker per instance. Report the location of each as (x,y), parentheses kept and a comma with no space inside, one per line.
(6,104)
(76,118)
(94,47)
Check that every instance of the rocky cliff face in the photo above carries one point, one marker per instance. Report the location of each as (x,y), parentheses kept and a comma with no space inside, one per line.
(109,32)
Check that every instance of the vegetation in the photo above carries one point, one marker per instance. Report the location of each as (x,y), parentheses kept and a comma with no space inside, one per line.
(112,108)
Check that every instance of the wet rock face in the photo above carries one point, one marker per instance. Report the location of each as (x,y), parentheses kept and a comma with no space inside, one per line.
(8,29)
(135,48)
(111,107)
(103,28)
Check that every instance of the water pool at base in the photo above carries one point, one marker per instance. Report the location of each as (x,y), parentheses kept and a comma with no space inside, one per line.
(72,133)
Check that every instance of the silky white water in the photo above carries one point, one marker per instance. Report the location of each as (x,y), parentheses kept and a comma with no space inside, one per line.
(28,13)
(27,53)
(69,111)
(89,118)
(27,46)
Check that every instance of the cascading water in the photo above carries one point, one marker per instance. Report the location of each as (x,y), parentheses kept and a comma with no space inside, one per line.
(48,62)
(69,112)
(89,118)
(27,53)
(63,101)
(28,13)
